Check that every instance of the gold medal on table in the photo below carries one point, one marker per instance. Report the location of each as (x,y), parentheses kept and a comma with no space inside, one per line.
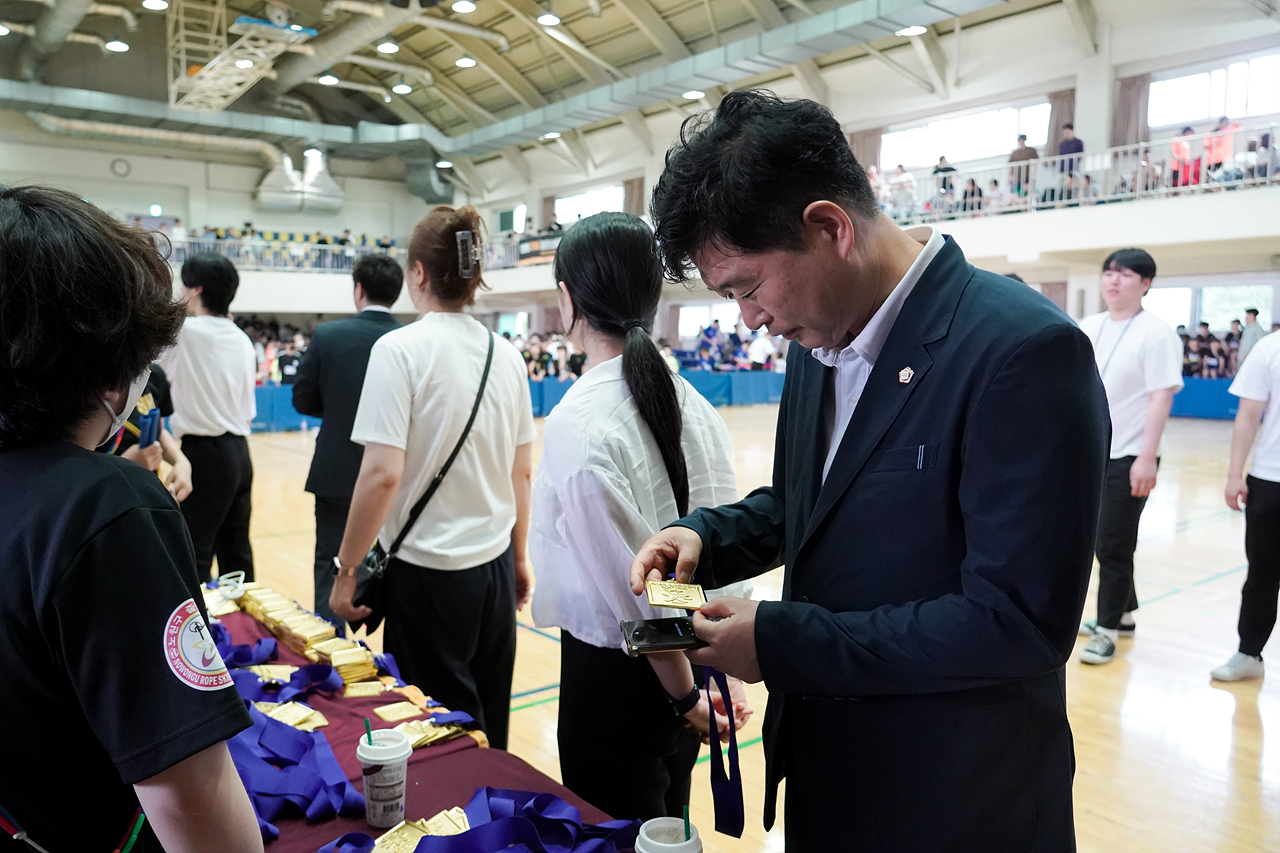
(686,596)
(398,711)
(279,673)
(292,714)
(402,838)
(449,822)
(364,688)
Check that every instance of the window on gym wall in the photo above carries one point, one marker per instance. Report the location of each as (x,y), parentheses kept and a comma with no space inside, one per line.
(513,220)
(694,318)
(1171,304)
(574,207)
(1220,305)
(975,136)
(1242,89)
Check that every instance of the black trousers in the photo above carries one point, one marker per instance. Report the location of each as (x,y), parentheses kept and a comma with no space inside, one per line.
(217,510)
(331,522)
(622,749)
(453,633)
(1262,548)
(1117,540)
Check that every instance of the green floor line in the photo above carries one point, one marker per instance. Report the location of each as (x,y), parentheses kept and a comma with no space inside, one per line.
(539,702)
(742,745)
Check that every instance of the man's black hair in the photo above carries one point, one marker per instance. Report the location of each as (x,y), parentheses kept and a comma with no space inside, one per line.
(741,177)
(381,277)
(1253,311)
(1135,260)
(217,278)
(1068,126)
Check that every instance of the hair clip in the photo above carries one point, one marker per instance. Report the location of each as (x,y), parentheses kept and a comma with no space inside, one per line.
(468,255)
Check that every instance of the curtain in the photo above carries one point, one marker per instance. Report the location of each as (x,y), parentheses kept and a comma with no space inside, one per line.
(548,211)
(1062,110)
(1129,122)
(633,197)
(865,145)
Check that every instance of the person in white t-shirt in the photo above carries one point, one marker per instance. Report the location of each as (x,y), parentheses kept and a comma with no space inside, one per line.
(211,377)
(1140,360)
(1258,387)
(760,349)
(452,590)
(628,450)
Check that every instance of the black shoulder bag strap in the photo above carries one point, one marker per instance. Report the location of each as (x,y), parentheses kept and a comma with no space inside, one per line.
(439,477)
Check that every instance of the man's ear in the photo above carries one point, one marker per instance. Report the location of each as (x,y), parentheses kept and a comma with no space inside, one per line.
(833,222)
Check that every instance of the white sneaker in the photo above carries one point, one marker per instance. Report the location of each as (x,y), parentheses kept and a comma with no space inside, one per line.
(1101,649)
(1238,668)
(1127,627)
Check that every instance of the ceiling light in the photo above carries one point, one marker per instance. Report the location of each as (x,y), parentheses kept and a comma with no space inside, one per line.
(297,28)
(116,46)
(402,88)
(156,210)
(443,164)
(155,5)
(388,47)
(464,7)
(313,152)
(694,95)
(911,31)
(328,80)
(548,19)
(244,63)
(465,62)
(551,134)
(386,99)
(4,31)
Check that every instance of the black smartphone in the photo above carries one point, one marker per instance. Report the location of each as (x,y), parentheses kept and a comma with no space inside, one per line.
(646,636)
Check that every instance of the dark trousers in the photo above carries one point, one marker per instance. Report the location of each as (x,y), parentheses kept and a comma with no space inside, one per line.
(1117,540)
(622,748)
(331,522)
(218,508)
(453,633)
(1262,548)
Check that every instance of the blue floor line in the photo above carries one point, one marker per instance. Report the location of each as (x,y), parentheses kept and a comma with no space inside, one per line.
(538,631)
(535,690)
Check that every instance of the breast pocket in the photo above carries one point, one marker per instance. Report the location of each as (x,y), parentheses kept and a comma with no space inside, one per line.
(916,457)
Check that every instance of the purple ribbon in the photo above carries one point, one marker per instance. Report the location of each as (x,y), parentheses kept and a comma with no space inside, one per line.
(280,765)
(462,718)
(726,792)
(352,842)
(307,679)
(234,655)
(386,664)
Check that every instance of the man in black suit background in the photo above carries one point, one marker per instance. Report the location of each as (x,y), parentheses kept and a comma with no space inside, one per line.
(941,443)
(328,386)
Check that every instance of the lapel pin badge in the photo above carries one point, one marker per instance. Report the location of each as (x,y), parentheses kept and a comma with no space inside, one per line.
(905,374)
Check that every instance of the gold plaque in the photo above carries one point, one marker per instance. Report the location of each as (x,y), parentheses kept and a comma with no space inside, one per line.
(398,711)
(686,596)
(402,838)
(291,713)
(364,688)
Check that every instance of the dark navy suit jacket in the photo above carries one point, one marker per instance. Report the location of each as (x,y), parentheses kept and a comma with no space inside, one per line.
(934,582)
(330,379)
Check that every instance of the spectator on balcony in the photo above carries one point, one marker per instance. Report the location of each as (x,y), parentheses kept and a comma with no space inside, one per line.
(1268,156)
(1180,165)
(972,199)
(1020,176)
(1251,334)
(902,193)
(344,240)
(553,227)
(996,198)
(942,178)
(1219,146)
(384,242)
(1088,191)
(879,185)
(1069,144)
(321,240)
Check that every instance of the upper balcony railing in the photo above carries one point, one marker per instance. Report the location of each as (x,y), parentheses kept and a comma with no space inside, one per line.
(1230,159)
(250,254)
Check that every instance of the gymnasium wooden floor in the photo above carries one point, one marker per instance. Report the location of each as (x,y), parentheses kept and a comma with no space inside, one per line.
(1167,760)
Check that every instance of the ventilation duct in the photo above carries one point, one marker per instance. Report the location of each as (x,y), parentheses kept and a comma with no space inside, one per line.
(51,30)
(282,189)
(422,178)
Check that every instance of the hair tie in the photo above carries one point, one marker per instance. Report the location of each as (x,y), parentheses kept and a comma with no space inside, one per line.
(633,324)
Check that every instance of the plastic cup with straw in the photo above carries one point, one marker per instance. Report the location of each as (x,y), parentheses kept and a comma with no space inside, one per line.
(368,731)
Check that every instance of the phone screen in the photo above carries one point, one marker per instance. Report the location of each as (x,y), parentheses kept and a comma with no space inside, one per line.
(661,634)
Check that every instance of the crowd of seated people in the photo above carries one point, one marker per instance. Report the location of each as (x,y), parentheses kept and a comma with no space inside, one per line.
(278,348)
(1207,355)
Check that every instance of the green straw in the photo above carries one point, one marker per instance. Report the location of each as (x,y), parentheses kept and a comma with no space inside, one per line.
(686,823)
(368,730)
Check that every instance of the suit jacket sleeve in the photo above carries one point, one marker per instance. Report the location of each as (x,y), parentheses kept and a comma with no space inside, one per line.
(1034,454)
(745,539)
(306,385)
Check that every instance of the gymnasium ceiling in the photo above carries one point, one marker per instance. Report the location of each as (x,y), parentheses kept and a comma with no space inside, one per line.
(613,59)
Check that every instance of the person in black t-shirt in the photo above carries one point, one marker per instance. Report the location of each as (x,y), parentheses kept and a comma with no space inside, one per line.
(287,361)
(107,660)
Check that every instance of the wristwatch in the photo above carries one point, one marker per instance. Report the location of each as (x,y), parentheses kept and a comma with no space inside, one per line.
(341,571)
(687,704)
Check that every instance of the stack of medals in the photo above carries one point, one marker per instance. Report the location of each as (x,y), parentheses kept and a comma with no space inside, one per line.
(293,626)
(300,716)
(216,604)
(352,661)
(420,732)
(404,837)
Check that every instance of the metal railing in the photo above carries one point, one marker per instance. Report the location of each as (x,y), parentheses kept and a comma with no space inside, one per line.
(249,254)
(1232,159)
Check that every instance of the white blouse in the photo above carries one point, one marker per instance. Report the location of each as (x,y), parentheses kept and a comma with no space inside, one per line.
(602,490)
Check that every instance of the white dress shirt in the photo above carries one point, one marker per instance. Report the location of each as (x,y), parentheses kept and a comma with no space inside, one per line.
(418,393)
(602,490)
(853,364)
(211,374)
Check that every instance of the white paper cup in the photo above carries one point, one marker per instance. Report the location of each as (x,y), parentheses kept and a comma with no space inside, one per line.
(666,835)
(384,766)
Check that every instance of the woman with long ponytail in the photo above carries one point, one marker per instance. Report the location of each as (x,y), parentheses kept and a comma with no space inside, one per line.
(630,449)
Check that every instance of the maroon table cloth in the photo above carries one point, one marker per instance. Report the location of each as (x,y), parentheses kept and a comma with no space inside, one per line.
(440,777)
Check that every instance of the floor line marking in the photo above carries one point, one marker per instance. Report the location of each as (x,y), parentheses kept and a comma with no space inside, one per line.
(535,690)
(741,745)
(537,702)
(538,631)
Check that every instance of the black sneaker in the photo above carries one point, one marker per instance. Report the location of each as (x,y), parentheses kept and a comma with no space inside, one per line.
(1125,629)
(1100,649)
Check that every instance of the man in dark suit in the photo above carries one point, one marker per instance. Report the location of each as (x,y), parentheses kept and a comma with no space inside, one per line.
(938,471)
(328,386)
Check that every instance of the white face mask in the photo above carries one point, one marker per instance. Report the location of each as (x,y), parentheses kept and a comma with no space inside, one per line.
(135,391)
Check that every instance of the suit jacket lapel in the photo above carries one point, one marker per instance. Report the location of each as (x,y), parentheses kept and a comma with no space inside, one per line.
(925,317)
(805,434)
